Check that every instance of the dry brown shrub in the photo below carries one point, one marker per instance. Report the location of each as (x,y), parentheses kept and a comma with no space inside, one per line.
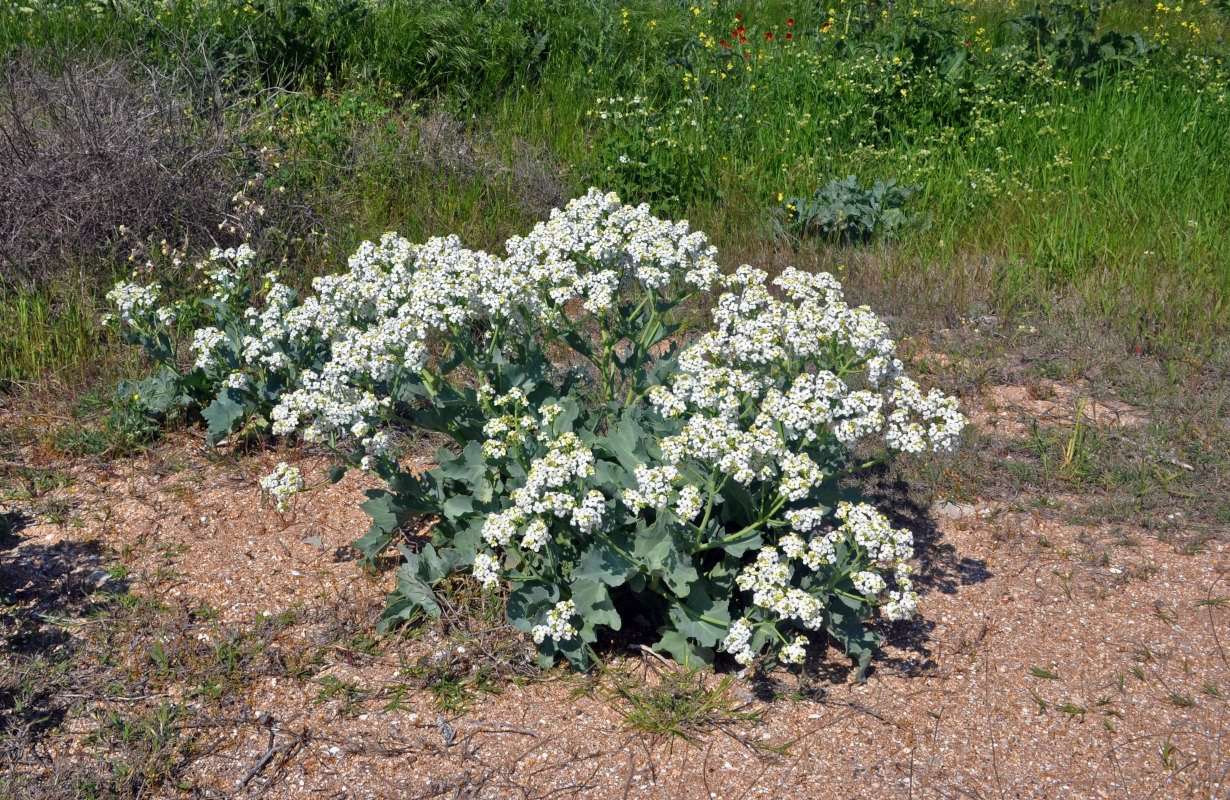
(90,143)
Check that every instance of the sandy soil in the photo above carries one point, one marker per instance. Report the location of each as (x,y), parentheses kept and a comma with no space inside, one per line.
(958,703)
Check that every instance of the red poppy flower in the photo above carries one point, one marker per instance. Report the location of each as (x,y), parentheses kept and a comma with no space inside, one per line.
(722,42)
(768,35)
(826,26)
(967,44)
(790,21)
(743,39)
(789,36)
(738,17)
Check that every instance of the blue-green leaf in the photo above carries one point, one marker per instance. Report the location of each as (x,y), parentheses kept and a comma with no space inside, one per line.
(469,469)
(594,604)
(684,650)
(656,547)
(529,600)
(702,617)
(604,563)
(223,413)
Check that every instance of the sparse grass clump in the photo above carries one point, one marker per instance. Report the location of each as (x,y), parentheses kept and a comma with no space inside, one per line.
(676,702)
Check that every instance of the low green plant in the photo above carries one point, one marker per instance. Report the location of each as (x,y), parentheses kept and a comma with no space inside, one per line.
(679,704)
(643,156)
(144,319)
(846,212)
(1069,38)
(601,469)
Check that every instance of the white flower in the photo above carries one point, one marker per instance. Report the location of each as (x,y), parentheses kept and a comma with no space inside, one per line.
(654,487)
(871,531)
(689,502)
(132,301)
(283,483)
(487,570)
(378,445)
(557,627)
(588,515)
(500,528)
(535,536)
(548,412)
(737,642)
(868,583)
(204,342)
(795,652)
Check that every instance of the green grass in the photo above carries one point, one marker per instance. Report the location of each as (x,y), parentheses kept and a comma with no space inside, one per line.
(678,705)
(1045,194)
(42,334)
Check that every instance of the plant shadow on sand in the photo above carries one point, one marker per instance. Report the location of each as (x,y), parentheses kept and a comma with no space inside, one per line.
(906,648)
(46,590)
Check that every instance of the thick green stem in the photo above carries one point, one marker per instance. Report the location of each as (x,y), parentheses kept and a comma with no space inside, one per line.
(702,617)
(725,540)
(867,465)
(641,347)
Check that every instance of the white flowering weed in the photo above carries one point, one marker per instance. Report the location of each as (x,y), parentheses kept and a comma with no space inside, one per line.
(600,472)
(282,484)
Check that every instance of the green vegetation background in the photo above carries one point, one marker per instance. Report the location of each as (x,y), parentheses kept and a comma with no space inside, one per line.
(1071,159)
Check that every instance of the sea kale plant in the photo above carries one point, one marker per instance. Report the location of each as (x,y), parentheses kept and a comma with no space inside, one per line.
(843,211)
(606,470)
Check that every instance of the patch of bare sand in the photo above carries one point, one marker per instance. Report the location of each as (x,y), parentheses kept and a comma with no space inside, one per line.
(1011,410)
(953,708)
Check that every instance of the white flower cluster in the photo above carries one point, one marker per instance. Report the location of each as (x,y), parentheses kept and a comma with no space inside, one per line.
(376,318)
(513,429)
(769,577)
(945,422)
(799,475)
(871,531)
(550,491)
(654,487)
(868,583)
(689,502)
(795,652)
(902,602)
(595,244)
(487,570)
(133,301)
(225,278)
(283,483)
(204,342)
(769,382)
(733,370)
(377,446)
(738,642)
(567,459)
(557,627)
(379,315)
